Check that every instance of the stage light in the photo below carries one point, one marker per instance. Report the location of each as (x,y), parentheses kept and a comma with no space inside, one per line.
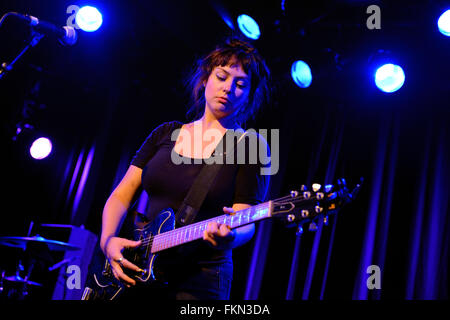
(444,23)
(89,19)
(389,78)
(41,148)
(248,26)
(301,74)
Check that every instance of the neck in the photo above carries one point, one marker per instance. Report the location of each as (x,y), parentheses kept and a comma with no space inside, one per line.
(208,120)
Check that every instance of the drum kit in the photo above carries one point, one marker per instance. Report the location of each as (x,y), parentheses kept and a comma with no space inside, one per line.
(36,251)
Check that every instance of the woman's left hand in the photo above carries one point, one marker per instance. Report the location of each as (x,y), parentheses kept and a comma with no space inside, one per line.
(220,236)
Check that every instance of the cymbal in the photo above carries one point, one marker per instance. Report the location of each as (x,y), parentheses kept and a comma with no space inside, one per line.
(21,242)
(19,279)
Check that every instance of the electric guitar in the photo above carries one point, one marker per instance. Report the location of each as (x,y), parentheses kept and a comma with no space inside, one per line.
(298,207)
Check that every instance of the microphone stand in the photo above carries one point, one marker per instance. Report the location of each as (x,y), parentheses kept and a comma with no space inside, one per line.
(5,67)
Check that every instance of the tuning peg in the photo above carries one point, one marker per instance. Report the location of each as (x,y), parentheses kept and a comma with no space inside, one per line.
(355,191)
(305,213)
(290,217)
(303,188)
(319,195)
(341,182)
(328,188)
(325,221)
(299,231)
(318,209)
(332,196)
(313,226)
(294,194)
(306,194)
(316,187)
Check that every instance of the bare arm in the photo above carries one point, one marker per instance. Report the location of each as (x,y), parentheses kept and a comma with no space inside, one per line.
(113,214)
(118,203)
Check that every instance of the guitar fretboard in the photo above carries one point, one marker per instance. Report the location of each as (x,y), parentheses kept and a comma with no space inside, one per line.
(195,231)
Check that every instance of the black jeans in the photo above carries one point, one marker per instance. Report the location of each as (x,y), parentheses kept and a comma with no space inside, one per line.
(206,283)
(203,282)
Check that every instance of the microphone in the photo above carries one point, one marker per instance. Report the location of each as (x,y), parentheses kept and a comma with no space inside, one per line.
(66,35)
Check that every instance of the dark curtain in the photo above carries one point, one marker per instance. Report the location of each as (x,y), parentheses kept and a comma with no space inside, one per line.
(399,221)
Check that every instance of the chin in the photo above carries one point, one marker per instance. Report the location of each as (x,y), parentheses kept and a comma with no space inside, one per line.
(221,111)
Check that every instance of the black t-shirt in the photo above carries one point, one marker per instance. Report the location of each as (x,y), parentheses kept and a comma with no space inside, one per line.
(167,183)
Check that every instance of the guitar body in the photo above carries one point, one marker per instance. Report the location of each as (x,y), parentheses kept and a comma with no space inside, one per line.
(104,286)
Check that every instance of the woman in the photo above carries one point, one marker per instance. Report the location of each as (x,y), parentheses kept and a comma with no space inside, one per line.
(228,87)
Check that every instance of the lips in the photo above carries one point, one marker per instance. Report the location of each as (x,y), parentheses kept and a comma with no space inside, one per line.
(223,99)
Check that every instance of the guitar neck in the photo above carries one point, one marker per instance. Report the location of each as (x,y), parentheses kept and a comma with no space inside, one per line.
(195,231)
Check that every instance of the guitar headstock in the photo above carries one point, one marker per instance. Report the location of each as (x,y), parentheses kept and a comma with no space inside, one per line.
(310,204)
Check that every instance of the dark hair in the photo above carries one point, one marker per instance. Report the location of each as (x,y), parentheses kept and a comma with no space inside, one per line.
(232,51)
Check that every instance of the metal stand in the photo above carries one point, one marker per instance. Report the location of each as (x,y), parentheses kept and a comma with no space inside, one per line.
(7,67)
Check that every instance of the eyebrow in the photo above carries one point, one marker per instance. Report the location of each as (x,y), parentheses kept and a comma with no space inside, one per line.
(239,77)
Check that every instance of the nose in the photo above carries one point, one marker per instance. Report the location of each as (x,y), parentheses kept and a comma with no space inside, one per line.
(227,86)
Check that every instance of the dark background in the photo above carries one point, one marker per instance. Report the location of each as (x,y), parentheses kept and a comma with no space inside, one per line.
(115,85)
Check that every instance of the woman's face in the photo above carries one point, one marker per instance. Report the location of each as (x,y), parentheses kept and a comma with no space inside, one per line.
(226,90)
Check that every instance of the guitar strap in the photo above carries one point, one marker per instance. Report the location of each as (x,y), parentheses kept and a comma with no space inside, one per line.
(203,182)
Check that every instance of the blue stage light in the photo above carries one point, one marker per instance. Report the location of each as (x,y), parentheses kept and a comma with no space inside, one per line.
(41,148)
(301,74)
(89,19)
(444,23)
(248,26)
(389,78)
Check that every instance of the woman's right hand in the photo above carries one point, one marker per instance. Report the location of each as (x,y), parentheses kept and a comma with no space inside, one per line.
(113,252)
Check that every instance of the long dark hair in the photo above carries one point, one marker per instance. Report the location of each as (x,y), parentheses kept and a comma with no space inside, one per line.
(231,51)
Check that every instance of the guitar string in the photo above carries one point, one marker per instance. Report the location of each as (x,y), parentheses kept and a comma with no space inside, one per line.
(170,237)
(164,237)
(180,231)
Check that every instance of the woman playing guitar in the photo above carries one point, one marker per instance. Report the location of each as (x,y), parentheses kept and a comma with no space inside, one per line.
(228,87)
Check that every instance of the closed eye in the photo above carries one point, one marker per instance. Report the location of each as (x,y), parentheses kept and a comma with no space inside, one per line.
(220,77)
(240,84)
